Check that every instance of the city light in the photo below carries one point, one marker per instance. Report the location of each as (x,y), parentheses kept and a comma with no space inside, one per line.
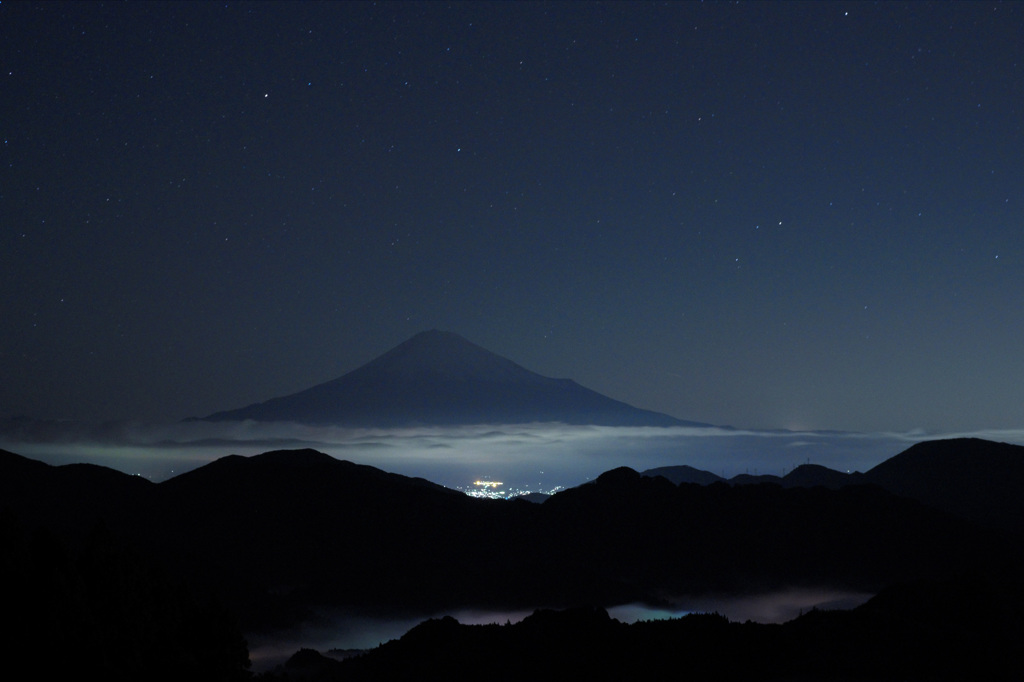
(494,490)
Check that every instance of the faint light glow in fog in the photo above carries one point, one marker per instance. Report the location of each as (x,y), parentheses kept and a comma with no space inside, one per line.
(523,456)
(337,633)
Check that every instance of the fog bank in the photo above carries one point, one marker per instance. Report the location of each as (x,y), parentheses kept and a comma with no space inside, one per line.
(523,456)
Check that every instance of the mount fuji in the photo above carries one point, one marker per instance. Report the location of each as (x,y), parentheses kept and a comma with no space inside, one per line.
(440,378)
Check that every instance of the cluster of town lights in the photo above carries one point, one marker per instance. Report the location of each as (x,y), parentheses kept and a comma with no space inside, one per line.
(494,490)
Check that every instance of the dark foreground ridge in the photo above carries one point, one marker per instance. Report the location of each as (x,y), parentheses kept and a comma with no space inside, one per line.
(440,378)
(967,477)
(953,630)
(277,536)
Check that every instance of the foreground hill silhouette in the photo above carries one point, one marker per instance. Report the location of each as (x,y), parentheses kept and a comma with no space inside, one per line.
(970,478)
(441,378)
(284,532)
(281,535)
(80,602)
(952,630)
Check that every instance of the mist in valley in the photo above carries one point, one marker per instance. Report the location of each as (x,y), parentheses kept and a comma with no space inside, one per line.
(537,457)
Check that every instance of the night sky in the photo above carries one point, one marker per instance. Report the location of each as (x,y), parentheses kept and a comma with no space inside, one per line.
(805,215)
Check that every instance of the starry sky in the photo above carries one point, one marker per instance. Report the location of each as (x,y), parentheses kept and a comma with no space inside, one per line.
(799,215)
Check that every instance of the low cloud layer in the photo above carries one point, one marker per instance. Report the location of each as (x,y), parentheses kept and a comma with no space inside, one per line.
(524,456)
(345,631)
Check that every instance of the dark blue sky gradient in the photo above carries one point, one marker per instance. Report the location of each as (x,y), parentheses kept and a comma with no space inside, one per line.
(800,215)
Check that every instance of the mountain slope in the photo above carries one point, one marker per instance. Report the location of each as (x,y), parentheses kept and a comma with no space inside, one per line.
(684,473)
(280,533)
(970,477)
(70,498)
(440,378)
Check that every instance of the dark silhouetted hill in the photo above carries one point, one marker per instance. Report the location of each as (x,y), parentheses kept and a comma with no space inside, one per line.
(973,478)
(91,607)
(970,478)
(810,475)
(684,473)
(951,630)
(311,529)
(70,498)
(756,537)
(441,378)
(279,534)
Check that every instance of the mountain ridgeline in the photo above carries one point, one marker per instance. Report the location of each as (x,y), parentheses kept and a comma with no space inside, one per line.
(440,378)
(966,477)
(279,536)
(279,533)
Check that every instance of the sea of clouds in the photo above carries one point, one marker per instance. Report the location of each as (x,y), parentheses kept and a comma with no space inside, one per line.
(522,456)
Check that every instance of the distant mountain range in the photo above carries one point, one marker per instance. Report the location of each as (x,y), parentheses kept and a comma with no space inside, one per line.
(440,378)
